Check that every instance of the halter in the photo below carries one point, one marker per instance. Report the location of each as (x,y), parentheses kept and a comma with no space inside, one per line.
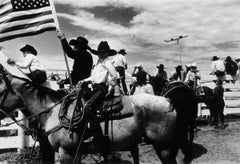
(5,94)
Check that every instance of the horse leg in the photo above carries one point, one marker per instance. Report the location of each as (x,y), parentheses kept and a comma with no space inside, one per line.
(47,151)
(135,153)
(65,158)
(167,155)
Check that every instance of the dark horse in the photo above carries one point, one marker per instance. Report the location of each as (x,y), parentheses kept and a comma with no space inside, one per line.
(185,100)
(206,96)
(151,118)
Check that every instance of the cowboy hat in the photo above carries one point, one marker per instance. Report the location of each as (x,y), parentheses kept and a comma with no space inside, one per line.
(228,58)
(103,47)
(122,51)
(79,41)
(214,58)
(193,65)
(29,48)
(237,60)
(179,67)
(161,66)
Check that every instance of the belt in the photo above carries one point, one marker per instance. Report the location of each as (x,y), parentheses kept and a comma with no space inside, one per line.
(100,84)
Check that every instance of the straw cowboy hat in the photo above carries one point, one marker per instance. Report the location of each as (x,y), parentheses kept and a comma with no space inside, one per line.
(122,51)
(79,41)
(193,65)
(103,47)
(161,66)
(29,48)
(214,58)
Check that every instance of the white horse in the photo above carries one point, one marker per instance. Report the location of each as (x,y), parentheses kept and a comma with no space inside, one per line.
(151,118)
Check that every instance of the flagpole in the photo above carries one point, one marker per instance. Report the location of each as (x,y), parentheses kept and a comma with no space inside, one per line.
(58,28)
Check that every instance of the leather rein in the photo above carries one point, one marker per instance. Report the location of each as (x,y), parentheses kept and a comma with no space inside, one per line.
(18,122)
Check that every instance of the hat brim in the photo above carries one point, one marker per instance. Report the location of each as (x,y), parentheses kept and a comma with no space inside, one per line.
(110,52)
(73,42)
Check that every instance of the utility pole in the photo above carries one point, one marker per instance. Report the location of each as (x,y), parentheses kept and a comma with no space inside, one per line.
(179,48)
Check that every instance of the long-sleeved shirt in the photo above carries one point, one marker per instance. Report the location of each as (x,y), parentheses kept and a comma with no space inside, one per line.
(83,61)
(218,65)
(103,72)
(191,75)
(30,61)
(119,61)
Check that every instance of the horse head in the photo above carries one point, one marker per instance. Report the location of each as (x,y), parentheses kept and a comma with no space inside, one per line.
(9,99)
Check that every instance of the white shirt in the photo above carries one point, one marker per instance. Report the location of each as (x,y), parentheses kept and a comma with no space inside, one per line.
(191,76)
(104,72)
(218,65)
(144,89)
(119,60)
(30,61)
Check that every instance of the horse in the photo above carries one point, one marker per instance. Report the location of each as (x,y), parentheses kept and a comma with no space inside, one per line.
(185,100)
(151,118)
(206,95)
(158,84)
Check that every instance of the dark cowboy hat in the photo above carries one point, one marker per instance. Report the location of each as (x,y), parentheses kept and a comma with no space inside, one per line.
(103,47)
(29,48)
(214,58)
(122,51)
(237,60)
(179,67)
(161,66)
(79,41)
(228,58)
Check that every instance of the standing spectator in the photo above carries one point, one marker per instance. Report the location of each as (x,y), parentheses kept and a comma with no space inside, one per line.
(218,68)
(159,80)
(138,72)
(193,76)
(231,68)
(36,72)
(185,71)
(177,74)
(219,104)
(83,61)
(238,64)
(120,64)
(142,86)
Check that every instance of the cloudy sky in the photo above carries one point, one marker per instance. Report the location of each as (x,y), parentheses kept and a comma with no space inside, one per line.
(140,27)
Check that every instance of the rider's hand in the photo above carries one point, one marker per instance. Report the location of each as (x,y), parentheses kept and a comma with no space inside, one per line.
(11,62)
(60,35)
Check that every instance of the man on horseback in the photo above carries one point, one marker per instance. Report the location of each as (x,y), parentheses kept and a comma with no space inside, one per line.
(83,61)
(103,79)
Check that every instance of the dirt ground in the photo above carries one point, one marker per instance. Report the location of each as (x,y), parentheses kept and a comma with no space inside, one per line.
(211,146)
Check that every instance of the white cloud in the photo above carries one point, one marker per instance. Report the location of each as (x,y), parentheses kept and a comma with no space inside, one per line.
(206,22)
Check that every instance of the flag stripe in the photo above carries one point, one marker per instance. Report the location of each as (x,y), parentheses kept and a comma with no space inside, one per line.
(24,26)
(30,33)
(17,18)
(36,27)
(27,18)
(5,9)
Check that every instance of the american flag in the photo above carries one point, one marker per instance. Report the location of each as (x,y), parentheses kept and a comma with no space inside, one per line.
(20,18)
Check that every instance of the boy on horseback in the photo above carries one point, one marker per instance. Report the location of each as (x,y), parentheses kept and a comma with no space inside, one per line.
(103,79)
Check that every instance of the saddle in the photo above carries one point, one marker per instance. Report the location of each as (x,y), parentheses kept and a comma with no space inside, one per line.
(71,111)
